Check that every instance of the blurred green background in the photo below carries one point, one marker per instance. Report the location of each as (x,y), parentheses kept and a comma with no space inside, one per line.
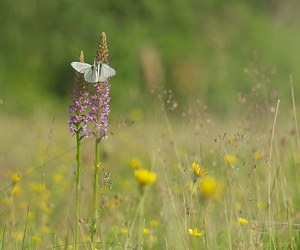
(210,50)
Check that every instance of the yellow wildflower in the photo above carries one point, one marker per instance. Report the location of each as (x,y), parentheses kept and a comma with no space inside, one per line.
(194,232)
(15,178)
(208,187)
(58,178)
(37,187)
(144,176)
(257,155)
(16,190)
(146,231)
(36,238)
(199,171)
(153,223)
(243,221)
(135,163)
(230,159)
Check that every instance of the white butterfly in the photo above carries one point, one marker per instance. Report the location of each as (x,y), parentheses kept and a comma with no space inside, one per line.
(98,72)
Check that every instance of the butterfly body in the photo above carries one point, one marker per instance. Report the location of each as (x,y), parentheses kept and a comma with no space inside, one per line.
(98,72)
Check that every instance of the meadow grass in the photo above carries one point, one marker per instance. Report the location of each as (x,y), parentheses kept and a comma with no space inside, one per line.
(170,178)
(246,198)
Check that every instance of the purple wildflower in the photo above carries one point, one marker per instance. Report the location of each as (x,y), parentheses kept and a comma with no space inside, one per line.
(99,108)
(78,110)
(90,108)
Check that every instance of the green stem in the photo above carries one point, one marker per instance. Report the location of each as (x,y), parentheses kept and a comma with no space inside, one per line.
(78,180)
(205,229)
(96,181)
(188,223)
(3,237)
(141,220)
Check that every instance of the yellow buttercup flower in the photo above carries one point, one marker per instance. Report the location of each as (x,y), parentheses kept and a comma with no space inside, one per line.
(37,187)
(230,159)
(243,221)
(15,178)
(146,231)
(153,223)
(36,238)
(257,155)
(208,187)
(58,178)
(199,171)
(16,190)
(144,176)
(135,163)
(194,232)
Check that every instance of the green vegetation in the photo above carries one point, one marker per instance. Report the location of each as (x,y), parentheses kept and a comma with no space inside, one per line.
(203,148)
(194,47)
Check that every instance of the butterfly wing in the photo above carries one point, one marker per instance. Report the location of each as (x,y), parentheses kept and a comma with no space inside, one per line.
(81,67)
(94,73)
(105,72)
(91,76)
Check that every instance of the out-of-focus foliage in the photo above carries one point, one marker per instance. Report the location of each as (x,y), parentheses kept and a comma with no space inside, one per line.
(199,49)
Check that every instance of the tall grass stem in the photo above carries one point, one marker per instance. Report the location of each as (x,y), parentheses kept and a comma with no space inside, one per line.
(78,187)
(95,190)
(294,111)
(142,219)
(270,175)
(3,237)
